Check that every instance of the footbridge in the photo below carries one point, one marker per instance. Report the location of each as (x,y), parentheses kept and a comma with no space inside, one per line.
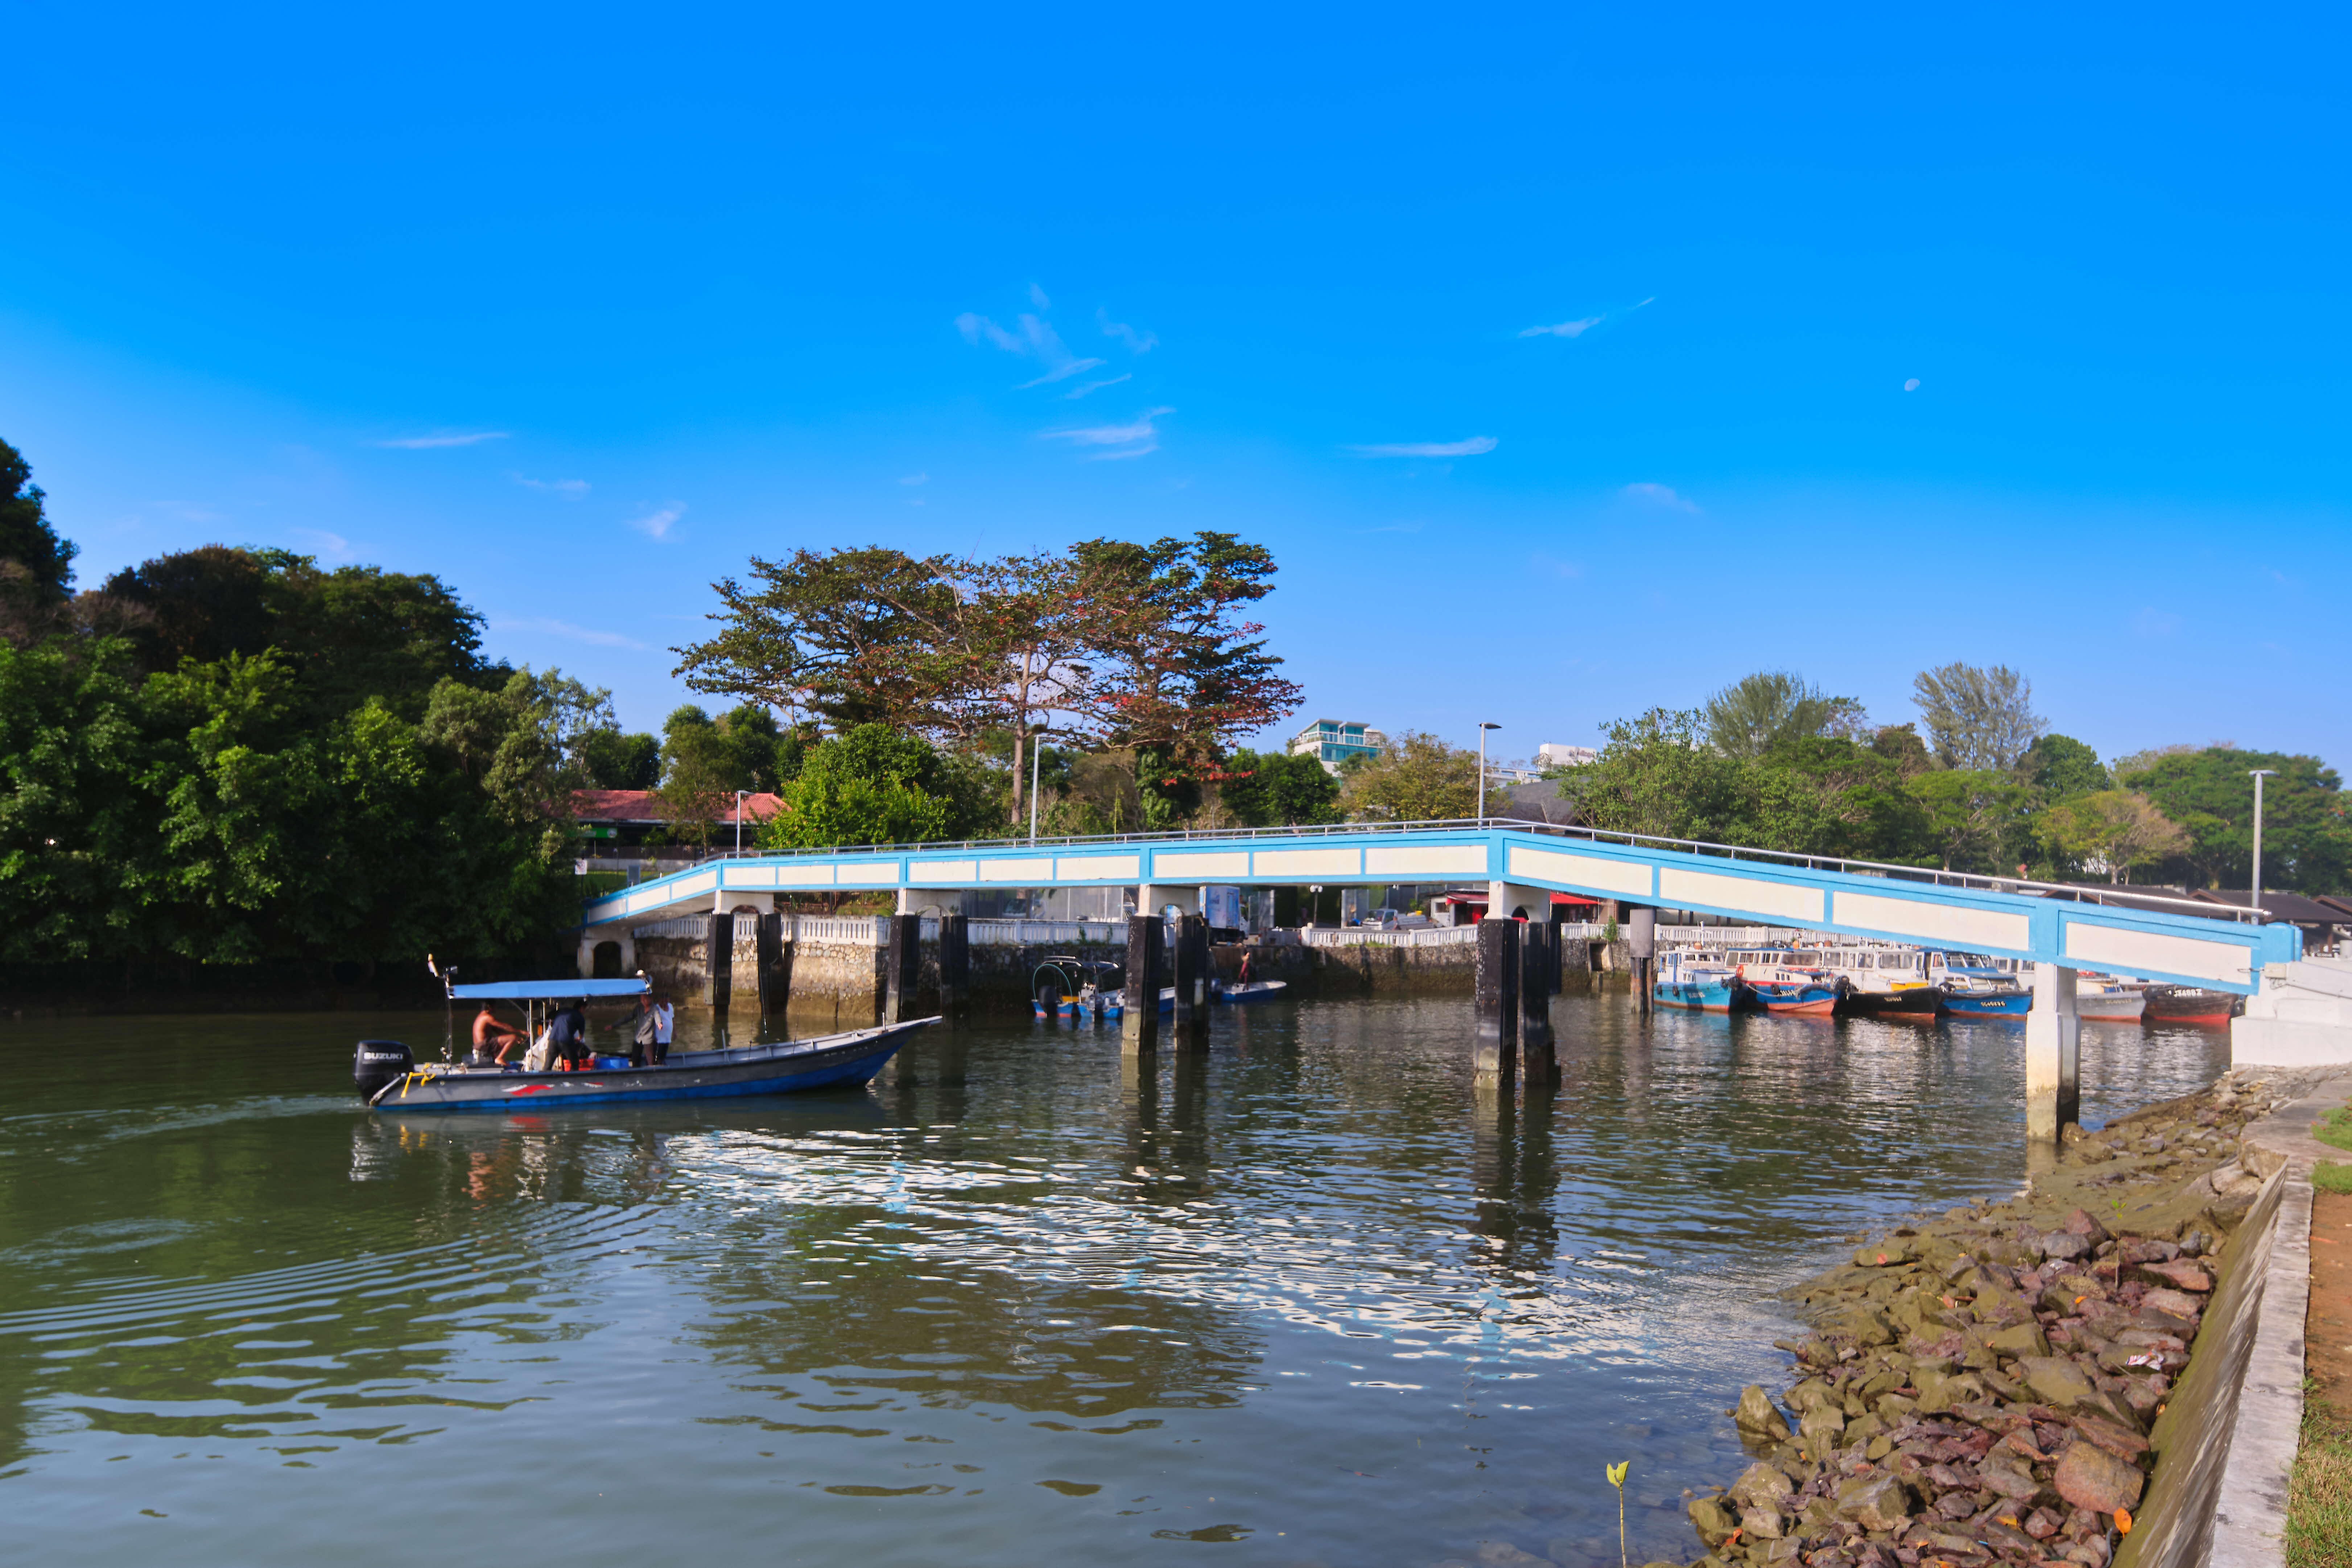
(2053,925)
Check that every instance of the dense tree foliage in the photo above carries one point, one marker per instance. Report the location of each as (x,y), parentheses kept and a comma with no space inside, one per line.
(1997,792)
(1276,789)
(873,785)
(1773,708)
(1137,648)
(1418,778)
(2307,837)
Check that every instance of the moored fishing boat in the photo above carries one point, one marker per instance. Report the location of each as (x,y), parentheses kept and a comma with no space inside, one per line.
(1777,988)
(1689,981)
(1970,986)
(2188,1004)
(1238,994)
(389,1078)
(1065,986)
(1917,1003)
(2108,1001)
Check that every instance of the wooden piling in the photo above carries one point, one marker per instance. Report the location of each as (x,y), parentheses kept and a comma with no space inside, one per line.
(955,967)
(1495,1028)
(1138,1024)
(900,968)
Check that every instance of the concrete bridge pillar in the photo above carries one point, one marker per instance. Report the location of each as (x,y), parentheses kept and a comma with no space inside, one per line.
(2053,1055)
(1151,898)
(1518,900)
(1190,962)
(1138,1024)
(955,967)
(1536,1062)
(1495,1035)
(901,967)
(1642,947)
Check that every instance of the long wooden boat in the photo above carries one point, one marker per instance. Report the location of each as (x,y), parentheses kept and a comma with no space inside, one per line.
(389,1078)
(1688,981)
(2189,1004)
(846,1061)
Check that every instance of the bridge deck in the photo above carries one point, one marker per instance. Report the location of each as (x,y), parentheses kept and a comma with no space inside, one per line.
(2013,918)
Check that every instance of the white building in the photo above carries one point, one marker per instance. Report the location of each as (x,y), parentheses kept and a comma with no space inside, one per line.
(1332,742)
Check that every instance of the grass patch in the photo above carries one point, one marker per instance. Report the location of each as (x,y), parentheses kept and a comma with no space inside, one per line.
(2331,1177)
(2319,1494)
(2335,1128)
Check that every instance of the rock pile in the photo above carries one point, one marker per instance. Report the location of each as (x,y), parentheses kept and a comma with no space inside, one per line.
(1981,1388)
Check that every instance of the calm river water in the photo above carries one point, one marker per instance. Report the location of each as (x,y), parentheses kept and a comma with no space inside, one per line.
(1298,1299)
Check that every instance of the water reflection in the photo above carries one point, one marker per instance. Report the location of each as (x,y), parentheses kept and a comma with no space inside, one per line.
(1307,1292)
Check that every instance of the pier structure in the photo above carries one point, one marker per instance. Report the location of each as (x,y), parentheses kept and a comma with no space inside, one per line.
(2061,928)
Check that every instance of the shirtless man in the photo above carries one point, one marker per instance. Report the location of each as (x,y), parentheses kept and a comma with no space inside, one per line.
(488,1032)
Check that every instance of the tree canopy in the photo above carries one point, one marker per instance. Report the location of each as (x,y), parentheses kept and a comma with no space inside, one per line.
(2306,837)
(1976,719)
(1771,707)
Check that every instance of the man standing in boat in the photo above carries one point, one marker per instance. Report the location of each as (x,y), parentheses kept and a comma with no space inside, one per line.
(567,1035)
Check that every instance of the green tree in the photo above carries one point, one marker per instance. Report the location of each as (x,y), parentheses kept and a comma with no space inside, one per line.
(77,843)
(2062,767)
(1176,667)
(36,566)
(1759,711)
(865,787)
(1657,775)
(2306,838)
(1276,789)
(1978,718)
(844,637)
(2115,830)
(1418,778)
(615,760)
(1970,814)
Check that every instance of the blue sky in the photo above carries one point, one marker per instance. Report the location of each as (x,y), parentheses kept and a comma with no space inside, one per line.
(1570,362)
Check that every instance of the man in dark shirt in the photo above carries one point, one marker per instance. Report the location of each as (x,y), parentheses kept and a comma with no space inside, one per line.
(567,1035)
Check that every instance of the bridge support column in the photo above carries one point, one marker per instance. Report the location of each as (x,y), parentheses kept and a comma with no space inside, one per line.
(901,964)
(717,959)
(1138,1024)
(1642,947)
(1535,1063)
(769,965)
(955,967)
(1495,1035)
(1516,900)
(1191,963)
(2053,1055)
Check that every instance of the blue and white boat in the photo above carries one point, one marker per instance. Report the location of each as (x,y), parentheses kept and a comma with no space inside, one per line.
(389,1078)
(1969,985)
(1693,980)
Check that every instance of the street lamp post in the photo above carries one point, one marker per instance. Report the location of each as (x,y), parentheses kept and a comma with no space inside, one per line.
(739,819)
(1483,728)
(2254,894)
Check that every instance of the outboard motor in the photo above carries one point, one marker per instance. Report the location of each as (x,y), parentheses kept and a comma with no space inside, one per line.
(379,1062)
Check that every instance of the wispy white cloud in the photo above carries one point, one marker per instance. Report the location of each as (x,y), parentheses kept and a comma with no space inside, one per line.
(915,479)
(1912,384)
(1137,340)
(566,629)
(1576,329)
(1077,393)
(1474,447)
(1396,528)
(446,439)
(1580,325)
(1659,495)
(658,522)
(569,490)
(188,511)
(1038,297)
(1137,439)
(324,546)
(1036,339)
(1060,372)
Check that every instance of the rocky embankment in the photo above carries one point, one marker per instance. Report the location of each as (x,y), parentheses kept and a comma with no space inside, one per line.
(1982,1388)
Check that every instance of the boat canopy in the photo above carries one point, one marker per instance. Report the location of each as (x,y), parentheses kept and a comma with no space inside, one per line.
(549,990)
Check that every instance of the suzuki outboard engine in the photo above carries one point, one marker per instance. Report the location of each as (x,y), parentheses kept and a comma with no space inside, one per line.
(379,1062)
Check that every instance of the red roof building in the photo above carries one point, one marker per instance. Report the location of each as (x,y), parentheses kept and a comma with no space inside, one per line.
(626,815)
